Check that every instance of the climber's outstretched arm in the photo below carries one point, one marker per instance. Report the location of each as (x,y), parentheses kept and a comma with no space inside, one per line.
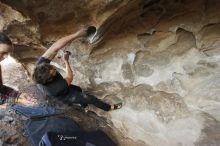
(59,44)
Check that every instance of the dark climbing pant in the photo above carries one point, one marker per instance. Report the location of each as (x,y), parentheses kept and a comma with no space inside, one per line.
(78,97)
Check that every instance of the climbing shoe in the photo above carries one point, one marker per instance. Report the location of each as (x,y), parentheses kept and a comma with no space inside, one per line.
(117,106)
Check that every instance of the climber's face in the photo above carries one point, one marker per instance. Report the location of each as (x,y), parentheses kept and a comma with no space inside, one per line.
(5,50)
(53,71)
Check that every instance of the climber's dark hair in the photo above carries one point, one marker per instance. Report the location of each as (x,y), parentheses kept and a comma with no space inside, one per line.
(41,73)
(4,39)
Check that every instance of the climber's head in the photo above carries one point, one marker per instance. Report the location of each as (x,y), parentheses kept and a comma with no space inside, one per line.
(44,73)
(6,46)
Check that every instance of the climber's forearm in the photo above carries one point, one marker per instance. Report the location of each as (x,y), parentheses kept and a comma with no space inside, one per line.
(69,73)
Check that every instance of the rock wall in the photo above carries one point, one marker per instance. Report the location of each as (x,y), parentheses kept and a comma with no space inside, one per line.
(160,57)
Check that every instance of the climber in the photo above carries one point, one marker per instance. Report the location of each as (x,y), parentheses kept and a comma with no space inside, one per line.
(7,94)
(52,84)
